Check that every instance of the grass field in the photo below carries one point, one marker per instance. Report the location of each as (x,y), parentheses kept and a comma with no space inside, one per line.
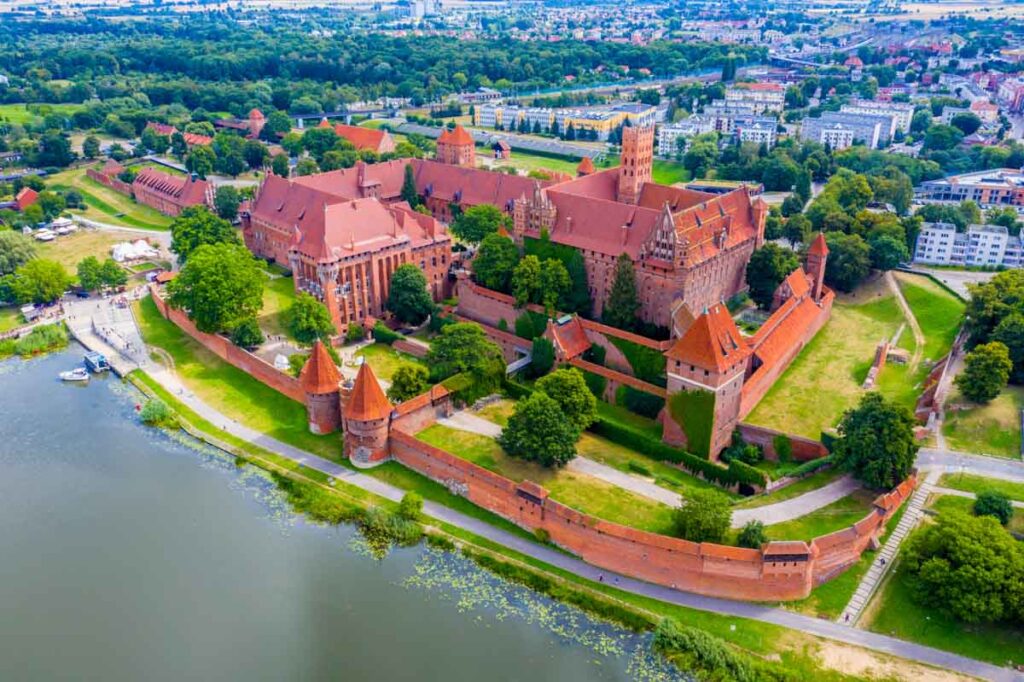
(10,317)
(232,391)
(669,172)
(72,248)
(836,516)
(527,162)
(278,294)
(893,611)
(384,359)
(992,429)
(976,484)
(107,206)
(581,492)
(938,312)
(950,503)
(19,113)
(812,482)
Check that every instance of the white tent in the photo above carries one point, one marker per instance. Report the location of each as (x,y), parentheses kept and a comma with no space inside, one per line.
(129,251)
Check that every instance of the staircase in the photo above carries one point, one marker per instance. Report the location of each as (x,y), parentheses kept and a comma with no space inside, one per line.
(885,558)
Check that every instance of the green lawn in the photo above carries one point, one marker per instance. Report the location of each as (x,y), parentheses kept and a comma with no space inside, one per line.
(938,312)
(669,172)
(70,249)
(232,391)
(825,378)
(527,162)
(804,485)
(106,205)
(977,484)
(836,516)
(631,419)
(948,503)
(584,493)
(10,317)
(19,113)
(384,359)
(278,295)
(992,429)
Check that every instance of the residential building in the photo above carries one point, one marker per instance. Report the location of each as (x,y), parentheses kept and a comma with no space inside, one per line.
(841,130)
(901,112)
(1011,93)
(758,131)
(979,246)
(191,139)
(986,111)
(762,96)
(988,189)
(670,134)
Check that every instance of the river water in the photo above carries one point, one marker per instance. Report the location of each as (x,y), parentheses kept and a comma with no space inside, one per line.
(130,554)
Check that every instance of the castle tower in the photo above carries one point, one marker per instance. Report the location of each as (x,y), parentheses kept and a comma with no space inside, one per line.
(760,208)
(367,414)
(817,257)
(709,362)
(456,147)
(319,379)
(637,162)
(586,167)
(256,123)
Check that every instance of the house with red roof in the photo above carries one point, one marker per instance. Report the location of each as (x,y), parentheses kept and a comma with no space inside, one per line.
(191,139)
(372,139)
(170,194)
(25,198)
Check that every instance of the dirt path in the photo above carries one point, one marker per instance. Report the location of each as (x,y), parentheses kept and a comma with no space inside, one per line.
(894,286)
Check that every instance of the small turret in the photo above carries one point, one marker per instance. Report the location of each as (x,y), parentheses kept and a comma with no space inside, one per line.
(367,418)
(319,380)
(817,258)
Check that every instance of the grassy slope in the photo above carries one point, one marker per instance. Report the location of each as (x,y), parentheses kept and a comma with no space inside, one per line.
(992,429)
(977,484)
(108,206)
(278,294)
(385,360)
(230,390)
(836,516)
(937,311)
(812,482)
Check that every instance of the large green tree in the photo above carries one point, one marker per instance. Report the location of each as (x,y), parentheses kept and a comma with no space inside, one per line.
(569,389)
(1010,332)
(40,281)
(476,222)
(219,286)
(767,267)
(623,304)
(705,516)
(226,202)
(409,193)
(849,260)
(463,347)
(526,280)
(494,262)
(196,226)
(308,319)
(553,284)
(876,442)
(408,381)
(408,297)
(992,302)
(538,431)
(15,250)
(986,370)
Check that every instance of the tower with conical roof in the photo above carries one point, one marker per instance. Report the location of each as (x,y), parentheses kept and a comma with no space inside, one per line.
(319,380)
(456,147)
(367,418)
(817,257)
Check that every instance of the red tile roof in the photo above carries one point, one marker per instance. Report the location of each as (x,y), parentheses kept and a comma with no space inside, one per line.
(458,136)
(712,342)
(255,113)
(183,191)
(569,337)
(193,139)
(367,401)
(25,198)
(111,168)
(364,138)
(319,374)
(161,128)
(819,247)
(586,166)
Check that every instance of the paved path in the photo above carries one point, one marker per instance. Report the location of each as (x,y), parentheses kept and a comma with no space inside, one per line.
(796,507)
(467,421)
(954,462)
(766,614)
(939,490)
(886,557)
(100,325)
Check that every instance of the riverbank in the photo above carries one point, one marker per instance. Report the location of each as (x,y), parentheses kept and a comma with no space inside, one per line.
(800,651)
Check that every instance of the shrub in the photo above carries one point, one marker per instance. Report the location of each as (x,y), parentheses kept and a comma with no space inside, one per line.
(439,321)
(694,412)
(42,339)
(411,506)
(709,657)
(381,529)
(542,535)
(542,356)
(296,362)
(752,535)
(595,354)
(648,363)
(742,451)
(639,402)
(247,334)
(515,390)
(382,334)
(639,468)
(992,503)
(355,332)
(156,413)
(704,517)
(808,468)
(596,383)
(783,447)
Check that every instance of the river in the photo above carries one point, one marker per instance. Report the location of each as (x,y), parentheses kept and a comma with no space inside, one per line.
(127,553)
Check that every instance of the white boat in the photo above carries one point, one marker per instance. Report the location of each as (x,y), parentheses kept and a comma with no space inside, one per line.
(76,374)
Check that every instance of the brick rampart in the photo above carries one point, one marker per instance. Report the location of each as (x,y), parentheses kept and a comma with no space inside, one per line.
(111,181)
(781,571)
(413,348)
(232,354)
(616,379)
(804,449)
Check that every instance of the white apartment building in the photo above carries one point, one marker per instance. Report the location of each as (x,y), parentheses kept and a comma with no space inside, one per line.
(980,246)
(761,97)
(758,131)
(902,113)
(669,135)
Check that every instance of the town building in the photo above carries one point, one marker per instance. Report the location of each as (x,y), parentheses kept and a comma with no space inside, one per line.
(1011,93)
(25,197)
(364,139)
(902,113)
(980,246)
(840,130)
(598,122)
(456,147)
(763,97)
(986,111)
(191,139)
(989,189)
(670,134)
(758,131)
(170,194)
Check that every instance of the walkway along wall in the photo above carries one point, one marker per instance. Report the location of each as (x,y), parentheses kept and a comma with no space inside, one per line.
(230,353)
(780,571)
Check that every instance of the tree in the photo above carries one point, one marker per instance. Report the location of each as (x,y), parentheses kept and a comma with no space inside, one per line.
(986,370)
(220,286)
(494,262)
(195,226)
(797,229)
(476,222)
(887,252)
(409,193)
(849,260)
(767,267)
(91,147)
(993,503)
(201,160)
(51,203)
(623,304)
(991,302)
(463,347)
(247,334)
(319,141)
(539,432)
(568,388)
(54,150)
(921,121)
(226,202)
(542,356)
(306,167)
(408,297)
(408,381)
(255,154)
(966,122)
(941,138)
(968,567)
(279,165)
(526,280)
(40,281)
(554,284)
(577,300)
(876,442)
(308,319)
(154,141)
(89,273)
(112,274)
(705,516)
(752,535)
(15,250)
(179,148)
(277,125)
(1009,332)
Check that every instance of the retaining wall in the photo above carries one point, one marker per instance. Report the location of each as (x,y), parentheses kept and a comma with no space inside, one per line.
(111,181)
(804,449)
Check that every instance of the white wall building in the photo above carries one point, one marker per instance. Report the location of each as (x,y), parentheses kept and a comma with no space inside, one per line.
(981,246)
(901,112)
(669,135)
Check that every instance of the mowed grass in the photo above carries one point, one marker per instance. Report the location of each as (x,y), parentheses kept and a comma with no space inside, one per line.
(10,317)
(527,162)
(938,312)
(804,485)
(278,295)
(825,378)
(977,484)
(992,429)
(894,611)
(20,113)
(840,514)
(583,493)
(70,249)
(669,172)
(965,505)
(385,360)
(106,205)
(231,391)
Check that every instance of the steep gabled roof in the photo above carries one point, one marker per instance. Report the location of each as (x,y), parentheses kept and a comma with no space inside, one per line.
(818,247)
(362,138)
(367,401)
(712,342)
(586,166)
(458,136)
(319,374)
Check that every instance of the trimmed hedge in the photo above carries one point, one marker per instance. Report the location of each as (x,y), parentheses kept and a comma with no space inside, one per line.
(382,334)
(639,402)
(515,390)
(648,363)
(737,473)
(810,467)
(596,383)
